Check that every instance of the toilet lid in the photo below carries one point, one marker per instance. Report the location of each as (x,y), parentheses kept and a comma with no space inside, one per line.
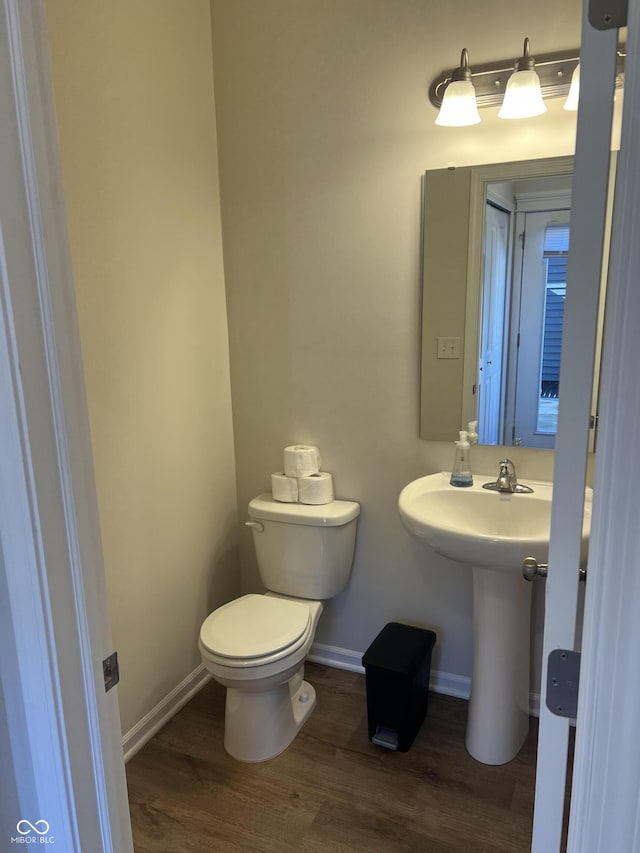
(254,626)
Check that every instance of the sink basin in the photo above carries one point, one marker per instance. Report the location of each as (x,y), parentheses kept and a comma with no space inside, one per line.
(482,527)
(493,532)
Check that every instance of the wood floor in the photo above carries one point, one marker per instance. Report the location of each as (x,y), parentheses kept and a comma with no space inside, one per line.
(331,791)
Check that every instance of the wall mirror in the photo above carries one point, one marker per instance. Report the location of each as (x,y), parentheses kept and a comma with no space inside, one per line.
(495,246)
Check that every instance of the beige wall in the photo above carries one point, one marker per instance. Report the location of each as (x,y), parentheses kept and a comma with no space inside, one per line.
(324,132)
(134,99)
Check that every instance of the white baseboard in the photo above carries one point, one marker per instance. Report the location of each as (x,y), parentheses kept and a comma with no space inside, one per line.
(440,682)
(336,657)
(534,704)
(145,729)
(450,685)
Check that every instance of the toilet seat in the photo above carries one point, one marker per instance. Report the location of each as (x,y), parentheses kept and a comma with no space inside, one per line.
(255,630)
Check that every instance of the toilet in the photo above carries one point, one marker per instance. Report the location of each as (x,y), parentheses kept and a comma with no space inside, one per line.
(256,645)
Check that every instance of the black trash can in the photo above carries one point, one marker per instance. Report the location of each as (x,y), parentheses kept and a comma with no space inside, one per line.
(397,666)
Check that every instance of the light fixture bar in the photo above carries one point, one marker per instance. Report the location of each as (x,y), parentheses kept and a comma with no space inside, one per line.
(490,80)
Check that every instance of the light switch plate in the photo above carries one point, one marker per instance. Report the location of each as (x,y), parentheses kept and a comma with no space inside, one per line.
(449,347)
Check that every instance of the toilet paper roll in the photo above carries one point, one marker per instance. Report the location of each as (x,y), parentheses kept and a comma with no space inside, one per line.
(316,488)
(300,460)
(284,488)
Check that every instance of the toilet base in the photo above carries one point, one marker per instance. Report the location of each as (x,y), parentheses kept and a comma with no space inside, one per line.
(259,726)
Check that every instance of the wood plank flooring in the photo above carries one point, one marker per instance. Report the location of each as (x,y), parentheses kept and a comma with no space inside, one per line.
(331,791)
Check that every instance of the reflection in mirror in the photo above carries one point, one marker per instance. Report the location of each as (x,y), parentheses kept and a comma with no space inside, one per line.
(495,247)
(525,244)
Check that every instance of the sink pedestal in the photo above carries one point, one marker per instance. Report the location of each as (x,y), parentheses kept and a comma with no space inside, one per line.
(498,720)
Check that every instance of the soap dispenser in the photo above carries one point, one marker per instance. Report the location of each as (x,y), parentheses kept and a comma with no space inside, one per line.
(461,473)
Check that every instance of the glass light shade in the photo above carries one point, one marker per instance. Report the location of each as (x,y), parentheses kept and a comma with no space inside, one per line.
(572,98)
(523,97)
(459,107)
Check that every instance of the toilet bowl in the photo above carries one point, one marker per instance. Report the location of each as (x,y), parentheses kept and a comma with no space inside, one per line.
(256,645)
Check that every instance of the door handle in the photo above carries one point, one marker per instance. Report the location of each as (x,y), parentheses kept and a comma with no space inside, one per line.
(532,568)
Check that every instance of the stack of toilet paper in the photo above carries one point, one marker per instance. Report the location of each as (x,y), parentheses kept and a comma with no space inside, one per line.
(302,481)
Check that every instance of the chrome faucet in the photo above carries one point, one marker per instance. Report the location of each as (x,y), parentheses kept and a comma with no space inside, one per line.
(507,480)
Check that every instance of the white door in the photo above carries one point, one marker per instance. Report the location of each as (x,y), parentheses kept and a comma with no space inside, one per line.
(605,806)
(590,180)
(492,330)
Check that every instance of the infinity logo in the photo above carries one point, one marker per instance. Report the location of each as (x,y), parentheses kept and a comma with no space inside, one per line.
(32,827)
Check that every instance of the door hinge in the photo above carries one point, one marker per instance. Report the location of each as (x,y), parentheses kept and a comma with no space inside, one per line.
(608,14)
(563,680)
(111,671)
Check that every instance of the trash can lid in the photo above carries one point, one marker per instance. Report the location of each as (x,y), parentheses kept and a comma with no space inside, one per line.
(399,648)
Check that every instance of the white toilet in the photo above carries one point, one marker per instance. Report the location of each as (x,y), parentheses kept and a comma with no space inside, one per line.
(256,645)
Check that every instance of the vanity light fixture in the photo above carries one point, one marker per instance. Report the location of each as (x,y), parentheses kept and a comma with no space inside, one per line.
(523,95)
(459,107)
(497,83)
(572,98)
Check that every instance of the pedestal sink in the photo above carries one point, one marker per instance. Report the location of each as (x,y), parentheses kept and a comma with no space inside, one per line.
(493,532)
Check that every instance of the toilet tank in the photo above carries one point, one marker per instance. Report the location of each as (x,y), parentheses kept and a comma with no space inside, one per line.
(304,551)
